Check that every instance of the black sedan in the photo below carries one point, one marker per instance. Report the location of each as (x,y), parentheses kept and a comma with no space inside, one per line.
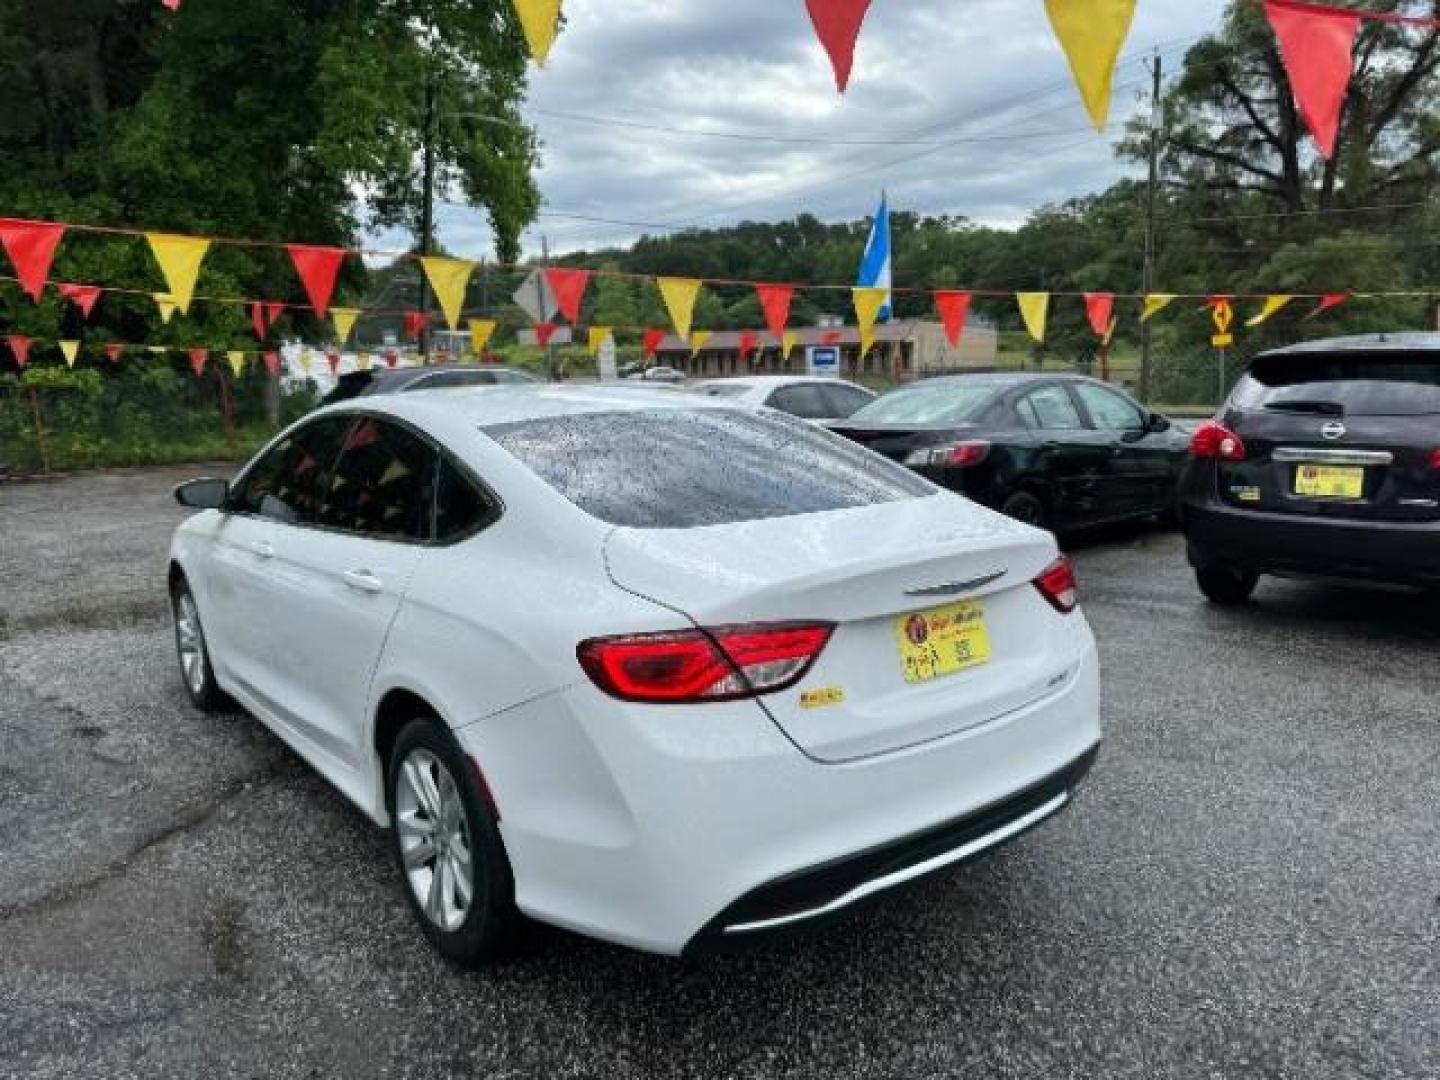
(1059,451)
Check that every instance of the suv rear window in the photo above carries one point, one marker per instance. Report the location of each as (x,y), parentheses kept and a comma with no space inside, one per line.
(1348,384)
(682,469)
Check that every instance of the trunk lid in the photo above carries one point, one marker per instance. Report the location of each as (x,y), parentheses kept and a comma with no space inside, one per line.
(897,441)
(860,569)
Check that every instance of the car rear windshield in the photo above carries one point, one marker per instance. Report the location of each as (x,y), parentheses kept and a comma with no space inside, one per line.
(927,403)
(1348,384)
(681,468)
(723,390)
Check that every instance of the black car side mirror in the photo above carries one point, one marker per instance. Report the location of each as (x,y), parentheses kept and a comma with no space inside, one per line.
(205,494)
(1157,423)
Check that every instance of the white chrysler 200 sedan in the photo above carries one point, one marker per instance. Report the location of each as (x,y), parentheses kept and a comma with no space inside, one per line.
(643,665)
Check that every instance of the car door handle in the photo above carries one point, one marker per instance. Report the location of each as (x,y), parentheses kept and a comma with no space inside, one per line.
(262,550)
(363,581)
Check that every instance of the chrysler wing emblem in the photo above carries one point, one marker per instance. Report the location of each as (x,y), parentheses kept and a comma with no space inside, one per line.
(1333,430)
(952,588)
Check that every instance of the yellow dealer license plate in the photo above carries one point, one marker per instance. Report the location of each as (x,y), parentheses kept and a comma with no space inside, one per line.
(942,640)
(1329,482)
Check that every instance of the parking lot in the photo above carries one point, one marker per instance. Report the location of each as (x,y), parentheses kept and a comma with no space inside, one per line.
(1249,884)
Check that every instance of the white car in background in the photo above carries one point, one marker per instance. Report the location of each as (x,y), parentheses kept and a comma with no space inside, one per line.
(806,396)
(643,665)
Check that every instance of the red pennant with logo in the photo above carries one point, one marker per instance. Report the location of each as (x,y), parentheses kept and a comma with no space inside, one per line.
(82,296)
(20,346)
(569,288)
(1099,308)
(1316,44)
(197,360)
(543,333)
(775,302)
(837,22)
(272,363)
(31,246)
(953,307)
(415,322)
(113,351)
(318,268)
(652,341)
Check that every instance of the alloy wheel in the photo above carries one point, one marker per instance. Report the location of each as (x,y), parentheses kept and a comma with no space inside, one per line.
(190,642)
(434,839)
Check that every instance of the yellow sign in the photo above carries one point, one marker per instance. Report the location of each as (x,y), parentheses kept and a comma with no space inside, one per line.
(942,640)
(821,697)
(1222,313)
(1330,482)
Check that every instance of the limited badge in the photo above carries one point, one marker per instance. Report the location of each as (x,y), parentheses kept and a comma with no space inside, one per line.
(819,699)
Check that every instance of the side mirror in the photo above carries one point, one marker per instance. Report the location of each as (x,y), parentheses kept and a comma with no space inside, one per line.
(206,494)
(1157,423)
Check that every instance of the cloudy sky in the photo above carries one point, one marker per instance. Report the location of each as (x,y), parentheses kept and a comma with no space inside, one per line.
(957,106)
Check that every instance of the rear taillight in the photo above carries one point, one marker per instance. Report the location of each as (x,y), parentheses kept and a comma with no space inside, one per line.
(715,664)
(960,455)
(1435,459)
(1212,440)
(1057,584)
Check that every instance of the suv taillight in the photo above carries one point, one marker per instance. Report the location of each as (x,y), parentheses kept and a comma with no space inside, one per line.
(1212,440)
(718,663)
(1057,584)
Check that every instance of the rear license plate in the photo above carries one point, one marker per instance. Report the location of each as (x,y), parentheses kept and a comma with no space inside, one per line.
(942,640)
(1329,482)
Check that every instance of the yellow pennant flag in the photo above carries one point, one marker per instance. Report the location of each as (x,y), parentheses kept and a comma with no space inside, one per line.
(481,331)
(157,350)
(598,336)
(71,349)
(166,306)
(868,302)
(363,361)
(698,341)
(237,362)
(345,318)
(449,278)
(1271,306)
(1092,33)
(540,19)
(1156,303)
(179,258)
(679,295)
(787,343)
(1034,309)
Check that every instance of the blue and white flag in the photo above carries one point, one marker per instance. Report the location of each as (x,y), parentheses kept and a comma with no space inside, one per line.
(875,272)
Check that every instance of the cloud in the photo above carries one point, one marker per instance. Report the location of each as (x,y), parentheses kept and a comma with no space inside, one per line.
(976,98)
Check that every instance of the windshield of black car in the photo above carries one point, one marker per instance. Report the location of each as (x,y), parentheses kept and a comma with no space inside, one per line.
(927,403)
(687,468)
(1345,384)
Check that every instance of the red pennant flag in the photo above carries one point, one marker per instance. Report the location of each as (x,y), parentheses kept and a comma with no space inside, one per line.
(392,358)
(173,5)
(653,338)
(838,24)
(20,346)
(415,322)
(747,343)
(273,313)
(775,302)
(272,363)
(257,319)
(31,247)
(1099,307)
(569,288)
(1316,45)
(1328,301)
(953,307)
(831,337)
(333,359)
(197,360)
(113,351)
(318,268)
(544,331)
(82,296)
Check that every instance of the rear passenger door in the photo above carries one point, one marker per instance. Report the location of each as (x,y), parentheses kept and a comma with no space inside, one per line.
(1071,459)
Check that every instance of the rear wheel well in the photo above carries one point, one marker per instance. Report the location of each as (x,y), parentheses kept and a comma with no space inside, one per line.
(397,708)
(175,576)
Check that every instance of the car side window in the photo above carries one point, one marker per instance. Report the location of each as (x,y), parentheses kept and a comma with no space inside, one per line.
(844,400)
(445,380)
(383,484)
(1048,408)
(1109,410)
(460,507)
(287,483)
(803,400)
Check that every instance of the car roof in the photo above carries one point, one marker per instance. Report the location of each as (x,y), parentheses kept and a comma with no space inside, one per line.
(486,406)
(1405,341)
(996,378)
(774,380)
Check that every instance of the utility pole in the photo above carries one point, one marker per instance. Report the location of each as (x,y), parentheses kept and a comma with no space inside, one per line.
(427,205)
(1147,273)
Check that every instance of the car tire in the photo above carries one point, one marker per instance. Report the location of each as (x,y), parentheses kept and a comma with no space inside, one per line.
(191,649)
(432,792)
(1226,585)
(1025,507)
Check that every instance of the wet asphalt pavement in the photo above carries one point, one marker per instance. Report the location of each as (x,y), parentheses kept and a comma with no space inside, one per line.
(1248,886)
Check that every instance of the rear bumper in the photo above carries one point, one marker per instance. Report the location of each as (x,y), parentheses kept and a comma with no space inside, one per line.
(1391,552)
